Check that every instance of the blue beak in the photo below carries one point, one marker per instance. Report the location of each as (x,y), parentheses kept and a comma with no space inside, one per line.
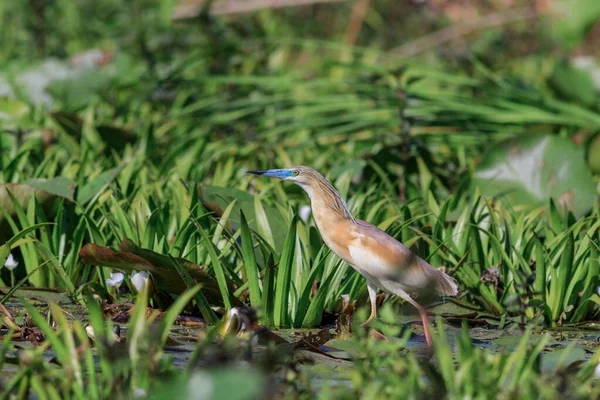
(274,173)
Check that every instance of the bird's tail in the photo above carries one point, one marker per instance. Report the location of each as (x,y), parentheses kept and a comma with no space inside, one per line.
(444,284)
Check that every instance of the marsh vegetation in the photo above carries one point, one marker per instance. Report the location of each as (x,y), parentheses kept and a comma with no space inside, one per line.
(140,261)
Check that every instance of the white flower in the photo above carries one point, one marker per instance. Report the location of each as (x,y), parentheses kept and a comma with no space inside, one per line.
(116,278)
(598,290)
(304,213)
(139,280)
(597,371)
(10,262)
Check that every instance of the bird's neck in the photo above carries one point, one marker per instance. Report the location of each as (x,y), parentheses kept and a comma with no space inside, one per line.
(326,202)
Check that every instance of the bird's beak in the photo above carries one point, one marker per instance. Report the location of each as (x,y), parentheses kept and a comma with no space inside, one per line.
(274,173)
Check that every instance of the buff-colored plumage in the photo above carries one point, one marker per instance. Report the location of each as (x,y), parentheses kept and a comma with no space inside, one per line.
(384,262)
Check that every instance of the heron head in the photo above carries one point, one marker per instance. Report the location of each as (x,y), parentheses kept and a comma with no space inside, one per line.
(312,182)
(299,175)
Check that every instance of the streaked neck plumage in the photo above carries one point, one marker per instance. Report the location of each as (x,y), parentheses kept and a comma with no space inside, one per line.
(325,201)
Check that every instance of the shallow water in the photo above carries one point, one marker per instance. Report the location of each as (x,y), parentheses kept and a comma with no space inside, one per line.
(331,364)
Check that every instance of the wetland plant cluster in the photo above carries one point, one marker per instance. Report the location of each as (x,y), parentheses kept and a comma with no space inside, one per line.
(141,262)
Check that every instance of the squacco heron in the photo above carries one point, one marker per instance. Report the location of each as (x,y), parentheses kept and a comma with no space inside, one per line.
(384,262)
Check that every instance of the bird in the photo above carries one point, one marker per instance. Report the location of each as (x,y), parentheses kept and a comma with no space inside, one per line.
(383,261)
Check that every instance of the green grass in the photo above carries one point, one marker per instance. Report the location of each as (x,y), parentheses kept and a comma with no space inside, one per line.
(140,165)
(547,263)
(465,371)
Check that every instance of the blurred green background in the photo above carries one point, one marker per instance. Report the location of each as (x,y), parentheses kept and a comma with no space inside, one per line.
(467,129)
(302,75)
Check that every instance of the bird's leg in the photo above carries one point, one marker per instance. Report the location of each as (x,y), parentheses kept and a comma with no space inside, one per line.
(426,327)
(423,315)
(373,298)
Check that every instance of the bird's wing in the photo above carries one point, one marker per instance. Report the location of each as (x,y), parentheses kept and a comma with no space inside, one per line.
(381,255)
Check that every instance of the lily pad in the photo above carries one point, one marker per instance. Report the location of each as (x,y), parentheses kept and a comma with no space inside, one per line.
(530,170)
(511,342)
(41,295)
(573,83)
(593,153)
(570,20)
(343,348)
(562,357)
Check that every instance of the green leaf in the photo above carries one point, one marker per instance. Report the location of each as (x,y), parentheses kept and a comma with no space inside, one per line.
(314,314)
(593,153)
(25,231)
(4,253)
(573,83)
(13,110)
(304,300)
(91,189)
(60,186)
(284,272)
(540,271)
(195,291)
(267,221)
(218,268)
(562,277)
(252,272)
(263,222)
(17,196)
(530,170)
(268,297)
(570,20)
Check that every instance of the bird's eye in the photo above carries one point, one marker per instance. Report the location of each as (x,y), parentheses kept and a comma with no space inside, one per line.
(296,172)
